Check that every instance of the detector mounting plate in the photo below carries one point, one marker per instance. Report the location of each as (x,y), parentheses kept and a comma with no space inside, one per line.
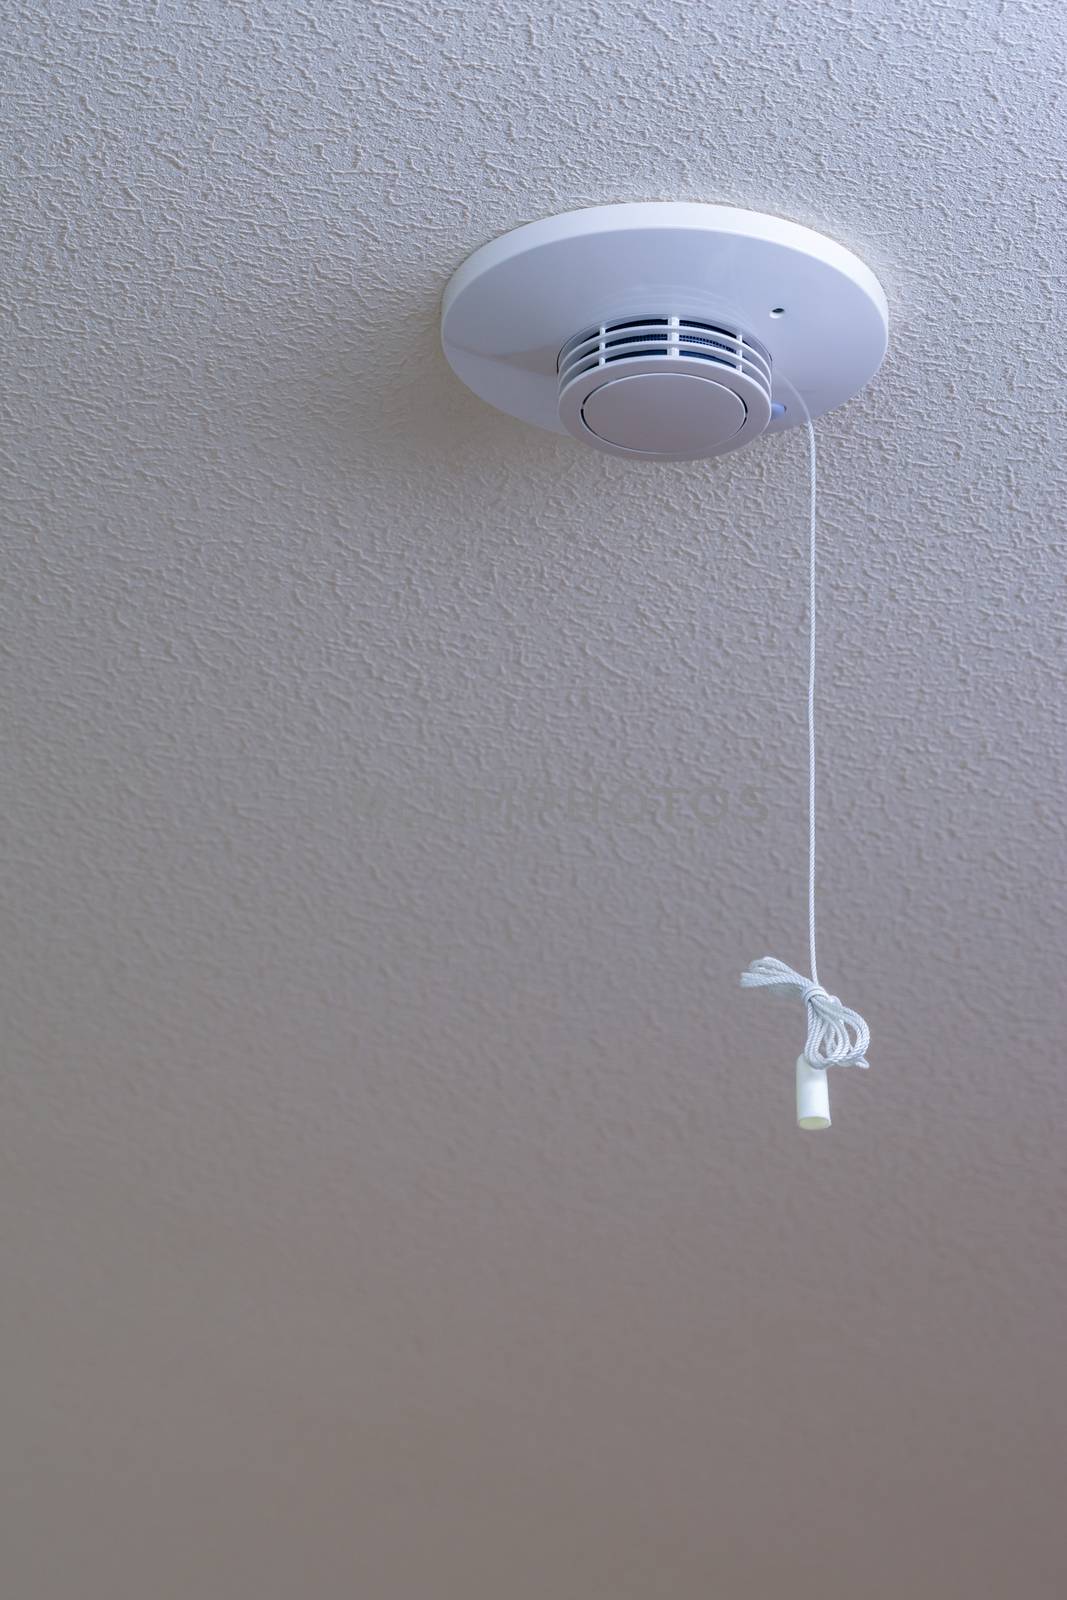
(700,326)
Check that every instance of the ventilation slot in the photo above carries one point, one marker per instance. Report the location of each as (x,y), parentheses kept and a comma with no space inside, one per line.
(664,338)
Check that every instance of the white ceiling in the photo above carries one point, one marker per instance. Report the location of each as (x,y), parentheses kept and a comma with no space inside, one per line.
(401,1198)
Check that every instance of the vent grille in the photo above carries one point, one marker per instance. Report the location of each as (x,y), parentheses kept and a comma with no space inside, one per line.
(664,337)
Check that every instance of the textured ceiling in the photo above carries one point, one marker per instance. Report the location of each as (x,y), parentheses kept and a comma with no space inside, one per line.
(400,1196)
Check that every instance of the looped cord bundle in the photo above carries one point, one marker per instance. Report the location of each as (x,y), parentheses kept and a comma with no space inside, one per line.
(837,1036)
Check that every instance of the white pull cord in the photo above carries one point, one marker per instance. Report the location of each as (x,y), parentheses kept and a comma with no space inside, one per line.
(837,1036)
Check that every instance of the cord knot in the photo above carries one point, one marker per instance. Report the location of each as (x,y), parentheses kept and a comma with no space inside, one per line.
(837,1035)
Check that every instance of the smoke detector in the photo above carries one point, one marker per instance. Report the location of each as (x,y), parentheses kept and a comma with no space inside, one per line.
(664,331)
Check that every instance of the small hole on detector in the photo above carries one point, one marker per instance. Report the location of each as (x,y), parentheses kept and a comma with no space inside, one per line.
(778,311)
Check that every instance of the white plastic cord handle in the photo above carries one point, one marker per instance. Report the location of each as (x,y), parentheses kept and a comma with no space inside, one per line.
(813,1095)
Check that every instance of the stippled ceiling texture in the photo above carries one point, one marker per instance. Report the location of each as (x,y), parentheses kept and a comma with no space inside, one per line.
(401,1199)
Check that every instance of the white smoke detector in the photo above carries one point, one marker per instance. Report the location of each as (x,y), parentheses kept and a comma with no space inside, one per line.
(664,331)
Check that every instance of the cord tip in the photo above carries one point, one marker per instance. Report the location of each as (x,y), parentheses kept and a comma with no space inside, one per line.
(813,1096)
